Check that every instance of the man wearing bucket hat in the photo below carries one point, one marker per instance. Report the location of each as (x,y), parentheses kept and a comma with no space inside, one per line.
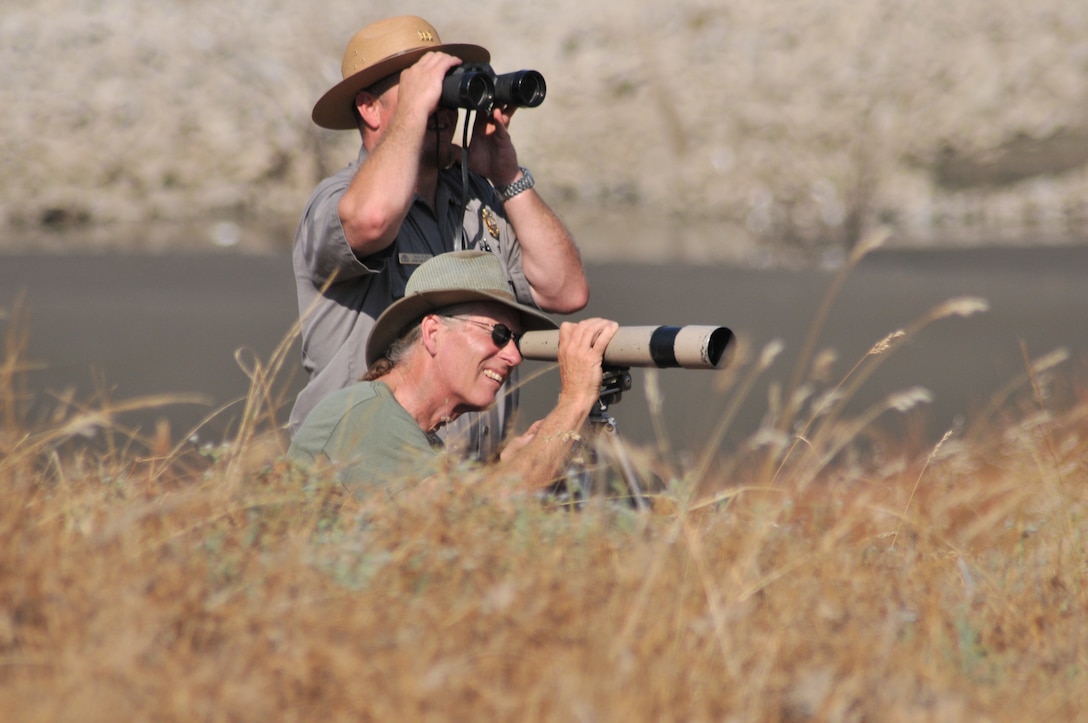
(442,350)
(404,200)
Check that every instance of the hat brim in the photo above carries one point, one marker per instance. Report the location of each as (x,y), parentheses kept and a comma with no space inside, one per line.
(401,313)
(334,109)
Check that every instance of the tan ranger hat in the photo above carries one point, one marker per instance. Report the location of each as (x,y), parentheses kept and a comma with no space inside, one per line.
(452,278)
(378,50)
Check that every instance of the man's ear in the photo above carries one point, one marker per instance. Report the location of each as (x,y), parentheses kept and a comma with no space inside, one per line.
(430,328)
(366,108)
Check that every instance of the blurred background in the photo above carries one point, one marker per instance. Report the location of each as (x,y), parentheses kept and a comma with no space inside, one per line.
(755,131)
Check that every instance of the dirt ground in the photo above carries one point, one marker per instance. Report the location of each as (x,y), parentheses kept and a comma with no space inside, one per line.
(700,130)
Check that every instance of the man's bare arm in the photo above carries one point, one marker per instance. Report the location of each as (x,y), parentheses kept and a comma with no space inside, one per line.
(538,458)
(549,255)
(376,202)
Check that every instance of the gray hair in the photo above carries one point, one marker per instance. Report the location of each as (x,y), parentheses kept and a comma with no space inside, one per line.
(399,350)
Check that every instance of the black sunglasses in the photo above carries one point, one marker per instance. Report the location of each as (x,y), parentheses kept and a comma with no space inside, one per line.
(500,333)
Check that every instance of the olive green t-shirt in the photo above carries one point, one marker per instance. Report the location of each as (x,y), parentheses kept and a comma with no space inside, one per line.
(364,433)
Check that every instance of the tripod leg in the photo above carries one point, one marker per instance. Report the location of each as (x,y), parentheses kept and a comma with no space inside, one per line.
(618,453)
(576,485)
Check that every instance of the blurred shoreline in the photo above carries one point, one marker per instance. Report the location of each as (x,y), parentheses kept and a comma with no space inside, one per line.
(189,323)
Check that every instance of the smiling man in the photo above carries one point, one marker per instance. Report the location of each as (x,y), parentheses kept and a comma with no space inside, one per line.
(407,199)
(444,350)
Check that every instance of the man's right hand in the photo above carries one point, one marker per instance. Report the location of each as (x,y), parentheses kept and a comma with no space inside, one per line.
(421,84)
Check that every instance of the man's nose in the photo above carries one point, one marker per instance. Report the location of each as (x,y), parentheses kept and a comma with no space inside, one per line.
(511,354)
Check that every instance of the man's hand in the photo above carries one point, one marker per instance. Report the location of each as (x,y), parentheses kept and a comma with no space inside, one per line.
(515,445)
(491,151)
(421,84)
(581,354)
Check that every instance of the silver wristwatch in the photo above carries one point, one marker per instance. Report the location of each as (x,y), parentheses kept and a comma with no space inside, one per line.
(522,184)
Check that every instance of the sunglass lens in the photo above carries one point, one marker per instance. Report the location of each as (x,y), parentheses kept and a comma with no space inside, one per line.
(501,335)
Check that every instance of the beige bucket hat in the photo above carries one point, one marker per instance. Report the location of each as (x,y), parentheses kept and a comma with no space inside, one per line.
(452,278)
(378,50)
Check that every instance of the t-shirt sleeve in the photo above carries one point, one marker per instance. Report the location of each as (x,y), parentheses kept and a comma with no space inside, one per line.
(370,440)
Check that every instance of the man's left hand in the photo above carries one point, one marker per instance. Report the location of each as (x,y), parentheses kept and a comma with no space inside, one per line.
(491,152)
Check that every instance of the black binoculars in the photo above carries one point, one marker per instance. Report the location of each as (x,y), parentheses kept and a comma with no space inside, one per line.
(476,86)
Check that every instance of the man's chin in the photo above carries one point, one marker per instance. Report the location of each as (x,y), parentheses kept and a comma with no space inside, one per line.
(442,160)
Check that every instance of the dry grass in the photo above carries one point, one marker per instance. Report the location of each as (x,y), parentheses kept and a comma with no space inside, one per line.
(818,573)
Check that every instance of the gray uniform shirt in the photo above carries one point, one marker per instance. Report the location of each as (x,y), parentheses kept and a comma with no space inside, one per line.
(337,319)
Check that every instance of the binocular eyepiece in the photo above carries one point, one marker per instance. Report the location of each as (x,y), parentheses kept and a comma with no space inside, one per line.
(476,86)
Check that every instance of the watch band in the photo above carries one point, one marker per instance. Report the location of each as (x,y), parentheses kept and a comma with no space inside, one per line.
(522,184)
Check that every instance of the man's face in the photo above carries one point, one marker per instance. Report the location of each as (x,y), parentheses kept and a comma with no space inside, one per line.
(438,149)
(472,366)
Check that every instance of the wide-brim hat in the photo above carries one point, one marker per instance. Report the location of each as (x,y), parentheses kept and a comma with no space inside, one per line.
(378,50)
(452,278)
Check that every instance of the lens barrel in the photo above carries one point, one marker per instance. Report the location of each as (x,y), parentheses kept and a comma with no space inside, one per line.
(525,88)
(688,347)
(466,86)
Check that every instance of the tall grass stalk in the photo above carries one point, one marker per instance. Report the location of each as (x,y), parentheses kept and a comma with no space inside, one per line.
(867,244)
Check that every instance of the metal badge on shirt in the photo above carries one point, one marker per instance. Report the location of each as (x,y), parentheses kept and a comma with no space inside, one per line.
(490,222)
(413,259)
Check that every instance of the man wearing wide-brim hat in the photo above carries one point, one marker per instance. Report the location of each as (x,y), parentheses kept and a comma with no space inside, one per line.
(442,350)
(404,201)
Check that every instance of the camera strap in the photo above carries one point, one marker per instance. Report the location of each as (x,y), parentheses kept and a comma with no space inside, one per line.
(459,228)
(464,180)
